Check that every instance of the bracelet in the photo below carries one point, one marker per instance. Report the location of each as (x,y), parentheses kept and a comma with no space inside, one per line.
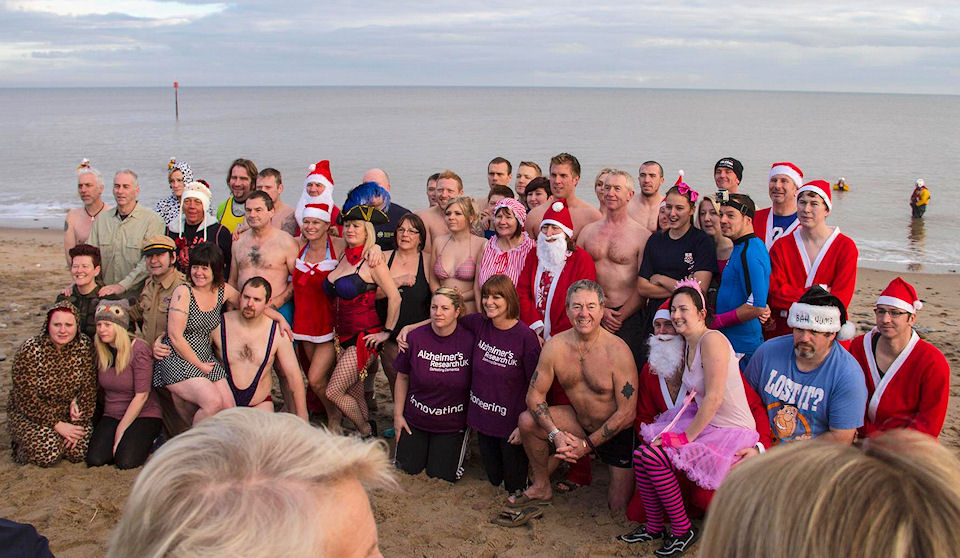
(593,448)
(553,434)
(760,447)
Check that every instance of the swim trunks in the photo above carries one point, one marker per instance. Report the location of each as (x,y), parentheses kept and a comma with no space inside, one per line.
(618,451)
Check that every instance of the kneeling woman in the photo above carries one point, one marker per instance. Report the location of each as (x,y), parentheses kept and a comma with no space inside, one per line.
(54,392)
(700,438)
(131,412)
(504,358)
(430,398)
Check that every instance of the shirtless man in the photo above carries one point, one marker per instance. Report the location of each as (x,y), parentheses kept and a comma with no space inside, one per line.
(432,189)
(265,251)
(564,176)
(616,245)
(449,186)
(248,343)
(645,208)
(76,227)
(270,181)
(597,373)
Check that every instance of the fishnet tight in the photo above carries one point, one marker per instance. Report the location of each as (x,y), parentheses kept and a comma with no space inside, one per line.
(345,389)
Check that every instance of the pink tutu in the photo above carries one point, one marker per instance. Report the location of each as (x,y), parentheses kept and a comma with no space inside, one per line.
(708,459)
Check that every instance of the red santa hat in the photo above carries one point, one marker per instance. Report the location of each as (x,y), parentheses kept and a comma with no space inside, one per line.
(319,173)
(789,170)
(820,188)
(662,313)
(559,214)
(902,295)
(317,211)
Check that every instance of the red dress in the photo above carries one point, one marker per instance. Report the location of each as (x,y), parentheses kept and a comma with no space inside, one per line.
(313,312)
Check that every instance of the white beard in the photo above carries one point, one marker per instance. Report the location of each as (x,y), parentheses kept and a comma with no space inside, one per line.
(552,252)
(666,355)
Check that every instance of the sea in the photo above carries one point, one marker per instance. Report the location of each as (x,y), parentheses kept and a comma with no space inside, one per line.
(880,143)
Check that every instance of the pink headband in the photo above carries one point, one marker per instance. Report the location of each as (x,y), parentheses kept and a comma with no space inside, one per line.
(693,284)
(516,207)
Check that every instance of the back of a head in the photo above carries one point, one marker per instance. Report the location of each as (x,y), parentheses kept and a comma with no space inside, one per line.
(242,483)
(897,496)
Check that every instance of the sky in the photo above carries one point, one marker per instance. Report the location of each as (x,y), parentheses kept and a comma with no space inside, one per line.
(857,46)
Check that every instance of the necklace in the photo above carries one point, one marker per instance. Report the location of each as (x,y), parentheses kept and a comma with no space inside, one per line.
(583,354)
(94,216)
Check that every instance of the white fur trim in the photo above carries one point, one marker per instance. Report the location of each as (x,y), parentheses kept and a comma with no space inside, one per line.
(313,338)
(564,228)
(901,304)
(788,172)
(825,319)
(818,191)
(319,179)
(847,331)
(661,315)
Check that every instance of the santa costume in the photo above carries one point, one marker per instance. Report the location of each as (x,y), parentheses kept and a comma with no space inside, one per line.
(319,173)
(914,390)
(792,271)
(763,218)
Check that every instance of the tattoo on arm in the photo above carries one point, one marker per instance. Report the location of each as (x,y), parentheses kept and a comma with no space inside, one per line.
(541,410)
(533,379)
(627,391)
(172,309)
(606,432)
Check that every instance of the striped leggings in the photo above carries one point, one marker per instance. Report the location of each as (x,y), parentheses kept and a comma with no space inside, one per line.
(659,490)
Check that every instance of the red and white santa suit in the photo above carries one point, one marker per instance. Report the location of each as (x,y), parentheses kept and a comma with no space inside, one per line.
(792,271)
(914,390)
(762,220)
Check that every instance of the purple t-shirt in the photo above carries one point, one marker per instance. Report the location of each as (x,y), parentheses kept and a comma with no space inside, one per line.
(119,389)
(439,370)
(503,363)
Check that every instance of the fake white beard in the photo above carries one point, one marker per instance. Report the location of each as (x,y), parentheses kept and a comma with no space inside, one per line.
(666,355)
(552,252)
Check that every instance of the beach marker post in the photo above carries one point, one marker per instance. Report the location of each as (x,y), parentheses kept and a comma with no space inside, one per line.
(176,99)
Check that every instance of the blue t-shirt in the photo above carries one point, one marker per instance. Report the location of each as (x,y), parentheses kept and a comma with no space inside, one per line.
(780,224)
(732,294)
(802,405)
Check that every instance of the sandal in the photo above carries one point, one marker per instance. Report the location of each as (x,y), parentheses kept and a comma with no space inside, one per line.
(565,486)
(522,501)
(517,517)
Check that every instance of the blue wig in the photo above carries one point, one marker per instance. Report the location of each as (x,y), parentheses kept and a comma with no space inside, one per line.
(362,194)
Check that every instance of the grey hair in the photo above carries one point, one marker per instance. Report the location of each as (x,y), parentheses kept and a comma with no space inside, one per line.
(94,172)
(631,185)
(136,179)
(586,285)
(243,483)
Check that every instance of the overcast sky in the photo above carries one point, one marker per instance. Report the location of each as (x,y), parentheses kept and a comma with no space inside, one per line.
(864,46)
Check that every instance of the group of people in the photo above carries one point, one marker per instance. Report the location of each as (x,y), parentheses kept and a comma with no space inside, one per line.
(669,335)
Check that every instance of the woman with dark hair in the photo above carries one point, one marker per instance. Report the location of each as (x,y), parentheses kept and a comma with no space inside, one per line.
(410,267)
(195,379)
(505,356)
(132,417)
(54,392)
(507,251)
(702,437)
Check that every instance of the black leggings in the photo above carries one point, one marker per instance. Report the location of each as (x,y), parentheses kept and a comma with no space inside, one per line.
(440,454)
(134,447)
(504,462)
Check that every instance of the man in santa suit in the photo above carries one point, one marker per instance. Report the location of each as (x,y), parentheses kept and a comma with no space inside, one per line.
(908,379)
(547,273)
(660,390)
(770,223)
(813,254)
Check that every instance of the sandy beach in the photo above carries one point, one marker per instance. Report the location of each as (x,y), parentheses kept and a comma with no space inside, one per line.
(76,507)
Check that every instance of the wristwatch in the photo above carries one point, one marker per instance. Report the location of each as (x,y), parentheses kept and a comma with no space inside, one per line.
(553,434)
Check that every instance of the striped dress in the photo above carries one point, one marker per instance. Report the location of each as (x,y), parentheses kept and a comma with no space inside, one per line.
(509,263)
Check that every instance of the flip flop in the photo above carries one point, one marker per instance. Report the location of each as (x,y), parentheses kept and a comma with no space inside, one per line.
(522,501)
(517,517)
(565,486)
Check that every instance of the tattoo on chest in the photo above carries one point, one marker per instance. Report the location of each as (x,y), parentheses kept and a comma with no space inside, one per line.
(627,391)
(254,256)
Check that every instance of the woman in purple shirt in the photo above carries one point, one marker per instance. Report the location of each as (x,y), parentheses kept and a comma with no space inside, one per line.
(504,357)
(431,393)
(131,413)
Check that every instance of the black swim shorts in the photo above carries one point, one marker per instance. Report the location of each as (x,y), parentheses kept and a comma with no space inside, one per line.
(618,451)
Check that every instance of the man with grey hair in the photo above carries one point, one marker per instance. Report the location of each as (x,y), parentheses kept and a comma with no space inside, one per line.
(79,221)
(255,484)
(616,245)
(120,233)
(597,372)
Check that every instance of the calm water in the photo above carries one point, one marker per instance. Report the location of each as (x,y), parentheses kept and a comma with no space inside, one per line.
(880,143)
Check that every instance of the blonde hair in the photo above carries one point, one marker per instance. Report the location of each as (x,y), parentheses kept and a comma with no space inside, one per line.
(466,205)
(897,495)
(243,483)
(454,295)
(371,233)
(696,215)
(124,343)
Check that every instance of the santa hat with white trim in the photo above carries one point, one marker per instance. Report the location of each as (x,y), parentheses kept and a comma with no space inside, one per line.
(559,214)
(662,313)
(789,170)
(318,173)
(900,294)
(818,310)
(820,188)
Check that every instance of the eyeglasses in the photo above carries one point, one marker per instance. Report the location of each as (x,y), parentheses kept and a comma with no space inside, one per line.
(881,312)
(407,231)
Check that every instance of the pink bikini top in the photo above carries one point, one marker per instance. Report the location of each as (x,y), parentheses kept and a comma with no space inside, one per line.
(466,271)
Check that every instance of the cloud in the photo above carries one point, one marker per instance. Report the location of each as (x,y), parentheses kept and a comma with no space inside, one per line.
(147,9)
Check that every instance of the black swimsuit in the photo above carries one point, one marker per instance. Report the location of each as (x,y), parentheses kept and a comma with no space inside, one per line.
(245,395)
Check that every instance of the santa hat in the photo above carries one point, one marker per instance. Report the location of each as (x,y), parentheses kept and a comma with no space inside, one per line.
(679,178)
(320,174)
(662,313)
(820,188)
(902,295)
(317,211)
(818,310)
(789,170)
(559,214)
